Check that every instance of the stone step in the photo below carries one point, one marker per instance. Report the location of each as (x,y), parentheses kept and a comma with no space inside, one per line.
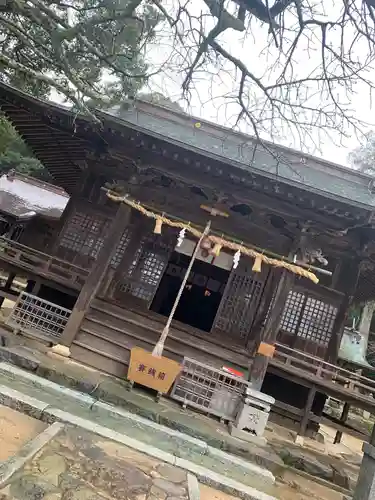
(46,400)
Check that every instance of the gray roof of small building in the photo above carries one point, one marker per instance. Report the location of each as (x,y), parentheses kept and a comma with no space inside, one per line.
(23,198)
(283,164)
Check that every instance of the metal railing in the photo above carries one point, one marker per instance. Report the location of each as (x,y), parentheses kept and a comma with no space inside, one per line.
(31,314)
(206,388)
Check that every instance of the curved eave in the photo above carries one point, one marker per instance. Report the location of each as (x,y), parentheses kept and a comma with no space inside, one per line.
(49,132)
(64,141)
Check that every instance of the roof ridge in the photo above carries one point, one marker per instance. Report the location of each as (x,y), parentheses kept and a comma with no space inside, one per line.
(39,183)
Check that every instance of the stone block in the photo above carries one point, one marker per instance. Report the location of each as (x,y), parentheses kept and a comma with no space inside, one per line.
(171,473)
(302,460)
(193,487)
(241,464)
(222,483)
(21,402)
(365,489)
(169,488)
(260,396)
(252,419)
(246,436)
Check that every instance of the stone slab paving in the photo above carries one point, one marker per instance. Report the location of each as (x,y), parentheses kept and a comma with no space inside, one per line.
(16,429)
(79,465)
(106,388)
(46,400)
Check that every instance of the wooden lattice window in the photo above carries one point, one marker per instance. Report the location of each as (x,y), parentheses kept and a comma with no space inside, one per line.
(317,321)
(144,272)
(84,234)
(292,311)
(238,304)
(149,272)
(308,317)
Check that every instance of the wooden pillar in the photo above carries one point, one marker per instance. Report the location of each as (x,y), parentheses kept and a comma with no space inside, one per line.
(347,282)
(94,280)
(7,286)
(307,411)
(270,331)
(36,287)
(343,419)
(254,336)
(9,281)
(66,215)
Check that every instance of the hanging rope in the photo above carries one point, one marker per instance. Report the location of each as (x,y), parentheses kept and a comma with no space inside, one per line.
(293,268)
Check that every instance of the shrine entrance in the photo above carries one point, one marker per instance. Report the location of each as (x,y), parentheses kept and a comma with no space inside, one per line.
(201,297)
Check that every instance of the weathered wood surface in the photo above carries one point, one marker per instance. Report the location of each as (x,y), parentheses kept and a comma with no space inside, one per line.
(94,280)
(271,328)
(349,277)
(111,332)
(38,263)
(108,333)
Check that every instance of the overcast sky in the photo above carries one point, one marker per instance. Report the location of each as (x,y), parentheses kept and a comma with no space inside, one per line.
(213,92)
(207,101)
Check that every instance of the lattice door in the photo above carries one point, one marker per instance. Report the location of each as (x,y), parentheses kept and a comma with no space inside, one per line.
(307,321)
(141,275)
(82,237)
(240,299)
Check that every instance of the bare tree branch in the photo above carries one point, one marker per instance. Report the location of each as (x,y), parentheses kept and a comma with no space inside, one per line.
(285,69)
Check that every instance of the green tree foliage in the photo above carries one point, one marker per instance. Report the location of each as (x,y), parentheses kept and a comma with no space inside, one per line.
(85,49)
(15,154)
(363,158)
(90,51)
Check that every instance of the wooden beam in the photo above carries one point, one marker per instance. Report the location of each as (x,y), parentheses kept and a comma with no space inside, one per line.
(269,335)
(307,410)
(259,235)
(95,278)
(243,193)
(255,333)
(343,419)
(271,328)
(7,287)
(347,281)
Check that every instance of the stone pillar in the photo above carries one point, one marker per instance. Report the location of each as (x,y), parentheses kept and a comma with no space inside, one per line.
(365,489)
(94,280)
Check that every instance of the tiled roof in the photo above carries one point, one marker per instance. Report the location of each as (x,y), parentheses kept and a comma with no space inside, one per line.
(23,197)
(234,149)
(292,167)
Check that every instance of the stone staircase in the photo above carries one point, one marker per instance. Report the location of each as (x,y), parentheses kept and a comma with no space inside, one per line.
(108,333)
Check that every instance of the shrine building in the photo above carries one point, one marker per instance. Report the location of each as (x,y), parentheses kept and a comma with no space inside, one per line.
(102,280)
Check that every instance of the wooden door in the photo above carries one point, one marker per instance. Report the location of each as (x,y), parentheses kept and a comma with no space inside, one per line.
(144,260)
(308,319)
(240,299)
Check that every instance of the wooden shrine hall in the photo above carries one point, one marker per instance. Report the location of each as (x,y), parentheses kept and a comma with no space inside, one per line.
(105,280)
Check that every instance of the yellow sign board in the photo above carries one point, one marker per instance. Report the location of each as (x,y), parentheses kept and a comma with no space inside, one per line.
(155,372)
(267,350)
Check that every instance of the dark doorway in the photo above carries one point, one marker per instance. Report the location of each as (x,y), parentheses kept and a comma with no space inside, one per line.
(202,295)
